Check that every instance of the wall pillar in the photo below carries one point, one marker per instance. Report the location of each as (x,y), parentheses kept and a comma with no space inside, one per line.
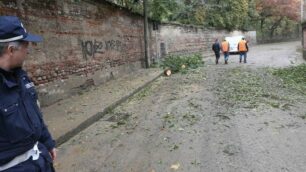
(304,40)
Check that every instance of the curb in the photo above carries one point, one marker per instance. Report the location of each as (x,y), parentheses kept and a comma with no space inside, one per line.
(88,122)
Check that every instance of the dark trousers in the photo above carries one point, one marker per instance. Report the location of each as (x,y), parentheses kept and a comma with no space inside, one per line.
(40,165)
(217,56)
(43,164)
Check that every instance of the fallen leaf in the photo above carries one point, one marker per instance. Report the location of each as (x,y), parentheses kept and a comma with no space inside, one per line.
(181,129)
(175,166)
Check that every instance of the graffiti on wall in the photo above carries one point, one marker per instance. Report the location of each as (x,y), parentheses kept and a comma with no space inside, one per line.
(91,48)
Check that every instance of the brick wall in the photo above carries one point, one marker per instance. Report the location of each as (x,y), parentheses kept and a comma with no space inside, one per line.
(180,39)
(89,42)
(82,41)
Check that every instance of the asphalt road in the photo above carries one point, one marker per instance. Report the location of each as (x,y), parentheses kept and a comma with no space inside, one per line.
(231,118)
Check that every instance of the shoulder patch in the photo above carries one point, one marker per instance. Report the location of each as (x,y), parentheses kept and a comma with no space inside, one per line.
(29,85)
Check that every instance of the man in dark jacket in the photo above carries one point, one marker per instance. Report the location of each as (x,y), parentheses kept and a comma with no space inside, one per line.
(25,142)
(216,48)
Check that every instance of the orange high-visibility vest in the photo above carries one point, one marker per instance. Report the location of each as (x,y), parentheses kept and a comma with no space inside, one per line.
(225,46)
(242,46)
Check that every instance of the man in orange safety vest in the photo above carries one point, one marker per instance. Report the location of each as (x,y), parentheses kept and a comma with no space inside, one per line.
(225,49)
(243,49)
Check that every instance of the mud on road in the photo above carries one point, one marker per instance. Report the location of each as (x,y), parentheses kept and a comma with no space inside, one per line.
(232,118)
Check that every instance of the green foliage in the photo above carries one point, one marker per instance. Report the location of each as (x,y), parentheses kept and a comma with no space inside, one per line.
(230,14)
(293,77)
(161,10)
(276,19)
(200,15)
(270,18)
(192,12)
(178,63)
(251,89)
(244,86)
(155,65)
(193,61)
(133,5)
(272,28)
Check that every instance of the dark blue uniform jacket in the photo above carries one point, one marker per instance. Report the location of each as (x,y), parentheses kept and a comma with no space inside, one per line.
(21,123)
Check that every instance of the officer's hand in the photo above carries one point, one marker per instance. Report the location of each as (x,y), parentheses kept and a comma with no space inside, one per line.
(53,154)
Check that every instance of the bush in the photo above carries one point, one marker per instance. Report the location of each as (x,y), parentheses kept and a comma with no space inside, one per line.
(182,63)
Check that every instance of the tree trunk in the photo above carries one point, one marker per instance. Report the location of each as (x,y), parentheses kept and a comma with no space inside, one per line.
(275,26)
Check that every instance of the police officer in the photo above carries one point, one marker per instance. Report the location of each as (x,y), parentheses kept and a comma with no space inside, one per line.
(25,142)
(243,49)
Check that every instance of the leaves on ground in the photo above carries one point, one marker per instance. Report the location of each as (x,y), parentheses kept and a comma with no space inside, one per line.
(252,88)
(175,166)
(293,77)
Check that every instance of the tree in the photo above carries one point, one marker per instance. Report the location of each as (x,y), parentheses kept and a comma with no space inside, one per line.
(271,13)
(161,10)
(229,14)
(268,16)
(189,12)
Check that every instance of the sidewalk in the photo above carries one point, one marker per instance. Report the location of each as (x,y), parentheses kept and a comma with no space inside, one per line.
(70,116)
